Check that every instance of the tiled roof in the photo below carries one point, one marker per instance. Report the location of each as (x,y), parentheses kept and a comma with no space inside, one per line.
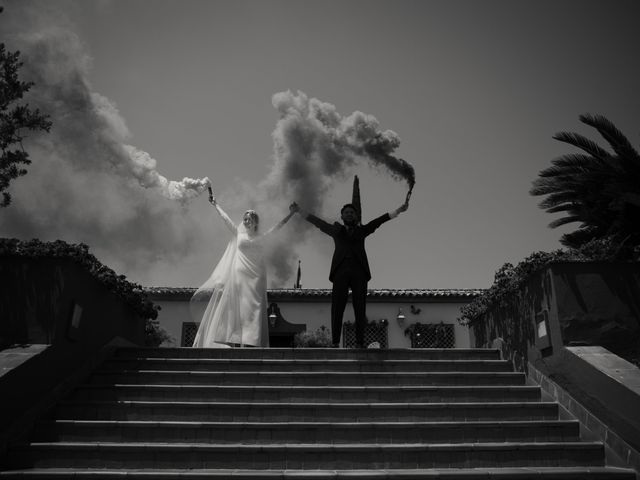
(378,293)
(170,291)
(184,293)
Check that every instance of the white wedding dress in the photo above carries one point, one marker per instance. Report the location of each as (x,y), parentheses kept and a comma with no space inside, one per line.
(235,294)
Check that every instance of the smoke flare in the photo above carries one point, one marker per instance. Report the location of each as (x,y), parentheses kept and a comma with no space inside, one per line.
(143,167)
(313,147)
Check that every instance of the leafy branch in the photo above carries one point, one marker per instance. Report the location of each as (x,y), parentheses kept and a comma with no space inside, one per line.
(132,293)
(15,120)
(509,278)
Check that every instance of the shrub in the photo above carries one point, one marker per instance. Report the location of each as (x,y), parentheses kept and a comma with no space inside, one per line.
(132,293)
(154,335)
(321,338)
(509,278)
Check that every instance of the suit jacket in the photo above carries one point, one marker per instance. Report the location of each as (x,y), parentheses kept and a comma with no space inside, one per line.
(346,243)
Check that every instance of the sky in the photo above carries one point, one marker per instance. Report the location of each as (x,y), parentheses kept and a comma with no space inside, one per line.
(142,93)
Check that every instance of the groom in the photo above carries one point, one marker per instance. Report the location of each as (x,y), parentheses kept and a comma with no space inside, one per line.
(349,265)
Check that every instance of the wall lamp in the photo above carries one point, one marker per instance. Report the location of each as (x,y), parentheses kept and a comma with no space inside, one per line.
(273,314)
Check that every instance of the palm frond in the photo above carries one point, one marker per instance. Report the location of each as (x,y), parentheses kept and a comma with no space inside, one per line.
(583,143)
(559,198)
(593,187)
(562,207)
(618,141)
(581,161)
(558,222)
(571,183)
(562,171)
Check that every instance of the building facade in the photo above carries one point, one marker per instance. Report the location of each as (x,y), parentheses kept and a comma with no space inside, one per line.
(398,318)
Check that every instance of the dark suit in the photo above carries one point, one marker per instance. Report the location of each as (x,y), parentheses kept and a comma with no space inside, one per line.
(349,269)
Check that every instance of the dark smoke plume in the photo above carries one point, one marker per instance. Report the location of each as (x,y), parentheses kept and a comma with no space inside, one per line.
(314,146)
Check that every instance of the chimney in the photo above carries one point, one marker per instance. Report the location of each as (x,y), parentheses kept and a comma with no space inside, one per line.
(355,198)
(298,277)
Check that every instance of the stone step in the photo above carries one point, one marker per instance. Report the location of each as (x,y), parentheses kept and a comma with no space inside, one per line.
(289,393)
(305,412)
(305,432)
(307,456)
(163,377)
(307,365)
(314,353)
(517,473)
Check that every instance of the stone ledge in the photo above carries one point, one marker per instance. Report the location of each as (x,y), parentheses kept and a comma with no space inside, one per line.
(15,356)
(595,428)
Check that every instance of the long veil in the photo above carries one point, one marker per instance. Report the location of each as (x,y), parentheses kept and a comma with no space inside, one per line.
(215,304)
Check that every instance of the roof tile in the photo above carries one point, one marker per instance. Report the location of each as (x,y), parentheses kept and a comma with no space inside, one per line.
(178,293)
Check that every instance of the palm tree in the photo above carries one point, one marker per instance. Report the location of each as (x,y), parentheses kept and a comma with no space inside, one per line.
(597,188)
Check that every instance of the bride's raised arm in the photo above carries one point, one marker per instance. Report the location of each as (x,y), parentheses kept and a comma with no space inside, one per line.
(228,222)
(281,223)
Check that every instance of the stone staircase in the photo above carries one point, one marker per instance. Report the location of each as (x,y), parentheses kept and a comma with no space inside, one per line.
(307,414)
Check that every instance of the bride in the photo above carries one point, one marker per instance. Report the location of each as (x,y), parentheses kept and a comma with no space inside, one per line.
(236,292)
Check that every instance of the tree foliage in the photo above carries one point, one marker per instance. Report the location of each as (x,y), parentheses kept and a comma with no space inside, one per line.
(509,279)
(15,120)
(131,293)
(598,189)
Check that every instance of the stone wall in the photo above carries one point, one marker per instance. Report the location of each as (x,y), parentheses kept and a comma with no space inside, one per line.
(567,303)
(58,305)
(57,302)
(540,328)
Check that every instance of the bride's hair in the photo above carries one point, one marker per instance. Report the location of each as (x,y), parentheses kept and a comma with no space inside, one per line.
(253,216)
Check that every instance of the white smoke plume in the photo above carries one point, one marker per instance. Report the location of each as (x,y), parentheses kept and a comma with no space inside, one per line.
(143,168)
(87,183)
(314,146)
(63,89)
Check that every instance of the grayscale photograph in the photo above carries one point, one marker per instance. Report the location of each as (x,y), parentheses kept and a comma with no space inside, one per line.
(305,239)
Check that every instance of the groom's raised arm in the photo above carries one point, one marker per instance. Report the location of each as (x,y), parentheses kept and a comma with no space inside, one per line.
(376,222)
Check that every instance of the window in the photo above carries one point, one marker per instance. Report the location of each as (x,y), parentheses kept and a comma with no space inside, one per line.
(373,332)
(432,335)
(189,330)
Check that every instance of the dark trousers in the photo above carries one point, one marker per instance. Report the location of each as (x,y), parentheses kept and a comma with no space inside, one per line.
(349,275)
